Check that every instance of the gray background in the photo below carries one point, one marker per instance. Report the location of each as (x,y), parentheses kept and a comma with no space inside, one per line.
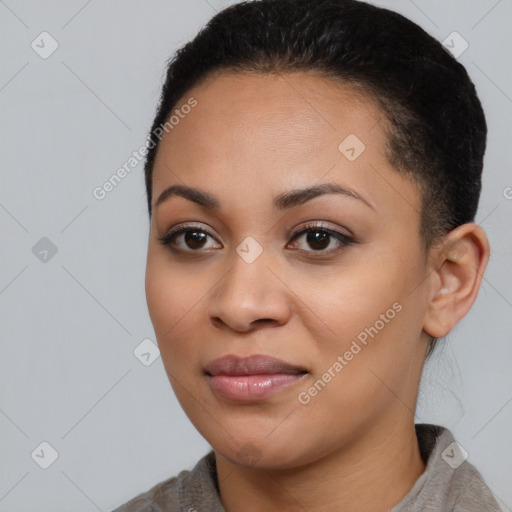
(69,325)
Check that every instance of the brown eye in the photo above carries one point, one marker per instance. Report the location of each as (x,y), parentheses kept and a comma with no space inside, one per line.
(318,239)
(193,239)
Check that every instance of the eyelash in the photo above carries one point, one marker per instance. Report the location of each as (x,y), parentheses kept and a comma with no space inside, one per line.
(344,240)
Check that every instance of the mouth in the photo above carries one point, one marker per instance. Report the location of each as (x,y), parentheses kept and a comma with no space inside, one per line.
(253,378)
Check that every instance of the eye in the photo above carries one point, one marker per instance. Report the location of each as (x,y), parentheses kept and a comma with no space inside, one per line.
(193,237)
(320,238)
(317,237)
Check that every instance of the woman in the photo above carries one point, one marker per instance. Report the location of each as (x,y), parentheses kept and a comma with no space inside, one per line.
(313,174)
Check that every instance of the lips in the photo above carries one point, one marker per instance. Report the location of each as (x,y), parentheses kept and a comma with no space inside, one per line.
(251,379)
(252,365)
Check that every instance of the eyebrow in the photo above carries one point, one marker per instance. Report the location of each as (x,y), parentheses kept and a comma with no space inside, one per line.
(283,201)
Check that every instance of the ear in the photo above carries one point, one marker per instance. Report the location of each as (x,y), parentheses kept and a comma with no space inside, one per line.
(458,263)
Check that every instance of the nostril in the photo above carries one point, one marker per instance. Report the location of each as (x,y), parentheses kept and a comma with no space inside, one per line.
(260,320)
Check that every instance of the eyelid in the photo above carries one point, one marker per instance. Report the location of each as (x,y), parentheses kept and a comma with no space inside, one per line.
(178,230)
(342,238)
(322,225)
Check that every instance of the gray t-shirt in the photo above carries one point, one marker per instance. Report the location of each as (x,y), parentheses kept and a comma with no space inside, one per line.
(448,484)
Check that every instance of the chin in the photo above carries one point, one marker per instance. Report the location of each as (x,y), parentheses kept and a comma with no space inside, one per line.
(259,453)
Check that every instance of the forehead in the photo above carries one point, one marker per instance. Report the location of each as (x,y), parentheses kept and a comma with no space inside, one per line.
(281,108)
(261,132)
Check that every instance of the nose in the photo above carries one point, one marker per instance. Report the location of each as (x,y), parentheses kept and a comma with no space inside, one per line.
(250,295)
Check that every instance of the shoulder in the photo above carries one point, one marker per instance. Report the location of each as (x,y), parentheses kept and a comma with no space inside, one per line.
(475,494)
(450,482)
(178,493)
(156,499)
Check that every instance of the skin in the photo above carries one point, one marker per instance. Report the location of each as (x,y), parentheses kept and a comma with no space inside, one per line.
(251,137)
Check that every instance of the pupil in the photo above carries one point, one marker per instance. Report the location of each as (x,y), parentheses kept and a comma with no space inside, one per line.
(193,239)
(314,240)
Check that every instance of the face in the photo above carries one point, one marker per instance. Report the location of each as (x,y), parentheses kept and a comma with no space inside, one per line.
(331,281)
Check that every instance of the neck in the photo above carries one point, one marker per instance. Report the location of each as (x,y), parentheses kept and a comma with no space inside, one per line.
(372,475)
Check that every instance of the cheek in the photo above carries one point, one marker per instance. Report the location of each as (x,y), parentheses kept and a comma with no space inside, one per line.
(171,300)
(364,313)
(172,297)
(341,303)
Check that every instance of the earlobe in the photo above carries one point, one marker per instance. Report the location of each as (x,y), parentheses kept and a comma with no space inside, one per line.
(458,267)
